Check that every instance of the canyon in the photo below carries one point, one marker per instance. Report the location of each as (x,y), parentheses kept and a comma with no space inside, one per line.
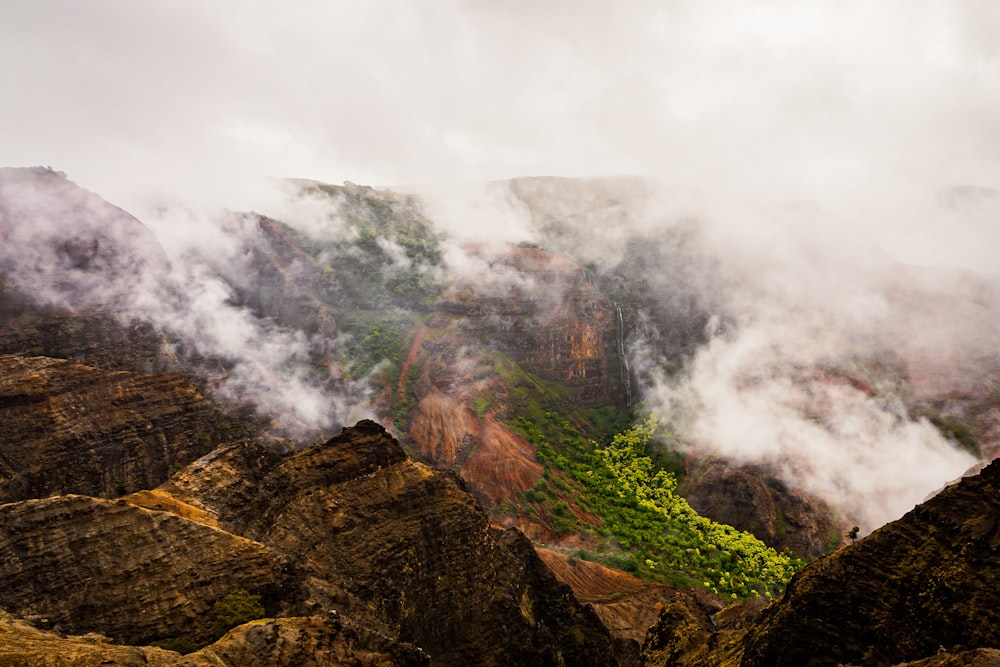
(349,424)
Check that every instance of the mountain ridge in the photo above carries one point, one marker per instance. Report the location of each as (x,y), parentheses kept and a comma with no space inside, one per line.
(508,367)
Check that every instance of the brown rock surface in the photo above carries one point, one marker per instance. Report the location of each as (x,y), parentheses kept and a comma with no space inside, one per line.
(90,565)
(399,547)
(352,525)
(283,642)
(69,428)
(626,605)
(22,644)
(751,498)
(314,641)
(919,586)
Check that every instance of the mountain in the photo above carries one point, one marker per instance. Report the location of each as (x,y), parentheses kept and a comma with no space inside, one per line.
(172,390)
(922,588)
(71,428)
(351,529)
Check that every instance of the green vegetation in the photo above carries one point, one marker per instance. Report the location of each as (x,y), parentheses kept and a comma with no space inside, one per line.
(377,337)
(656,533)
(951,428)
(958,432)
(236,608)
(389,255)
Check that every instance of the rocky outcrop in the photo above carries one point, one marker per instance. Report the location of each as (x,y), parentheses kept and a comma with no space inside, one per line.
(314,641)
(923,585)
(626,605)
(297,641)
(351,528)
(751,498)
(81,564)
(395,544)
(70,428)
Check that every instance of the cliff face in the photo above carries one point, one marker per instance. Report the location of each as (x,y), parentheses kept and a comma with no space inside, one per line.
(86,565)
(314,641)
(916,587)
(546,330)
(70,428)
(753,499)
(564,329)
(626,605)
(400,554)
(383,537)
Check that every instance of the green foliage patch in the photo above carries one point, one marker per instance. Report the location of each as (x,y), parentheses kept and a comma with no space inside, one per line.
(235,609)
(657,534)
(377,337)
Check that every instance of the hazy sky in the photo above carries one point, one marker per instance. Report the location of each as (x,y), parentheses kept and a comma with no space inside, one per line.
(854,101)
(811,137)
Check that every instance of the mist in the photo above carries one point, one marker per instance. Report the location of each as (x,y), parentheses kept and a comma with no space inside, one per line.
(180,271)
(814,186)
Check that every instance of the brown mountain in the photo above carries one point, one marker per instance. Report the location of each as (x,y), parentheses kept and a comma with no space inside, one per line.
(70,428)
(918,587)
(351,527)
(402,553)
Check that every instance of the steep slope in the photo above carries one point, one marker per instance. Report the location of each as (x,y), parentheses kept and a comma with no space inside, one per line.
(384,538)
(918,586)
(299,642)
(70,263)
(755,499)
(66,246)
(89,565)
(477,364)
(626,605)
(391,551)
(70,428)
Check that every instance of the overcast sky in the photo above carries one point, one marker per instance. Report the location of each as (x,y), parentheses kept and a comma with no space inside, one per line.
(865,100)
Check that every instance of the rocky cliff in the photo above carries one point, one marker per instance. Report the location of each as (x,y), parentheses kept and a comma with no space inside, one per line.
(918,587)
(315,641)
(382,536)
(70,428)
(81,564)
(755,499)
(352,527)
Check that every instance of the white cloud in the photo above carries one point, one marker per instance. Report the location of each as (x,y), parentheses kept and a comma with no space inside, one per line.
(863,114)
(853,102)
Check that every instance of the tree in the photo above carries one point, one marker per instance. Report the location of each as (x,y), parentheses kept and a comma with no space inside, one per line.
(852,534)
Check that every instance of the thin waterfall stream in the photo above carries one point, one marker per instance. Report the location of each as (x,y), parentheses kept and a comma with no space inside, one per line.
(626,374)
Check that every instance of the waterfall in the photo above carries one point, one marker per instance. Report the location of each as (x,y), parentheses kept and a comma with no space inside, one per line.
(626,375)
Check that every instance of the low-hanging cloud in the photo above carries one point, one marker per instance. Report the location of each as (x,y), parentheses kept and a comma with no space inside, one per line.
(66,247)
(795,163)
